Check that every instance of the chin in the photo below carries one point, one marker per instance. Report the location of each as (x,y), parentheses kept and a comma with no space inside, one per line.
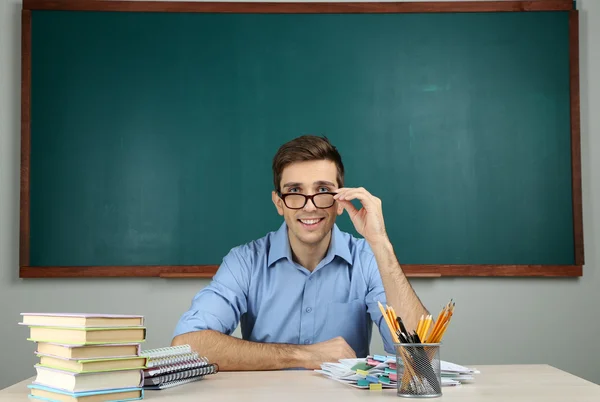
(312,237)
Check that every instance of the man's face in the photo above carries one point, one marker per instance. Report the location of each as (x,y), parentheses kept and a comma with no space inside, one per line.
(310,225)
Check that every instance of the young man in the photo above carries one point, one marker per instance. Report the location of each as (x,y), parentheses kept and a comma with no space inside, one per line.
(303,294)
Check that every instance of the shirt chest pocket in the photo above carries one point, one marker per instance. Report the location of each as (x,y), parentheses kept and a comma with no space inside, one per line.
(348,320)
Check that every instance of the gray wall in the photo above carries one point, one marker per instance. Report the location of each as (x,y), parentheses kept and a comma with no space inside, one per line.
(497,321)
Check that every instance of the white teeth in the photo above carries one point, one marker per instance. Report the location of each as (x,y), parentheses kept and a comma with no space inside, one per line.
(309,221)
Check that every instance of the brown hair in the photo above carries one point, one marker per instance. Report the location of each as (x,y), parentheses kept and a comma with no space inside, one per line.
(306,148)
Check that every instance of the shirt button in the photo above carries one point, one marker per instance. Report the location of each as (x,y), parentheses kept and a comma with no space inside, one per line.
(308,309)
(306,341)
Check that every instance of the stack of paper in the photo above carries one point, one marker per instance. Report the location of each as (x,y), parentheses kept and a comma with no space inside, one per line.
(454,374)
(378,372)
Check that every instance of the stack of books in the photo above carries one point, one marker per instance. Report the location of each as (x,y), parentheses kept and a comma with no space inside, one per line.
(175,365)
(85,357)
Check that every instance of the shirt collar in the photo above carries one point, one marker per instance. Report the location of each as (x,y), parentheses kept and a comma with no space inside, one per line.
(280,246)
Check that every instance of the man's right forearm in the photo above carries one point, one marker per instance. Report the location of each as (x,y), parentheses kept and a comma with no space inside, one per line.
(234,354)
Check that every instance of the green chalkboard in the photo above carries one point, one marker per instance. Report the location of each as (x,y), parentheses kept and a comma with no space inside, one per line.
(152,134)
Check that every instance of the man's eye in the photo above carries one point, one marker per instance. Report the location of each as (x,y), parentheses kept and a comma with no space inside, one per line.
(324,189)
(293,190)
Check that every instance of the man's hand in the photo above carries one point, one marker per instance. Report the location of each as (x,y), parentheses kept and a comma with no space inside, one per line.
(368,220)
(327,351)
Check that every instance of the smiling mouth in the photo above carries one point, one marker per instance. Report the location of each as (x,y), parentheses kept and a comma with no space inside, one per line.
(310,222)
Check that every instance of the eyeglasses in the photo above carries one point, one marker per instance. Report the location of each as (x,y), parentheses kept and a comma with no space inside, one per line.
(298,201)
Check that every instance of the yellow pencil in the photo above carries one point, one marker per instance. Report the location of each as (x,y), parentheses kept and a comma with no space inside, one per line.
(390,314)
(394,316)
(389,324)
(426,329)
(420,327)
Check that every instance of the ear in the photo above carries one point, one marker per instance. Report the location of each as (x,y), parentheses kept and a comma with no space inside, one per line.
(278,202)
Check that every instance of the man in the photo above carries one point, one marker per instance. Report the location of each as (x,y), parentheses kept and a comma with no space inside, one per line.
(304,293)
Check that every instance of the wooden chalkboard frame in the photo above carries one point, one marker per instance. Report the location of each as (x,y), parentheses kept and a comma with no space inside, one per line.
(207,271)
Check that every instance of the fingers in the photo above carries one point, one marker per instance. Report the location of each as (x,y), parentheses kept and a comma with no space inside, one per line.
(349,207)
(348,194)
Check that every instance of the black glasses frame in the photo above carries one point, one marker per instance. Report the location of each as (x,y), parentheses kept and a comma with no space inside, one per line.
(306,198)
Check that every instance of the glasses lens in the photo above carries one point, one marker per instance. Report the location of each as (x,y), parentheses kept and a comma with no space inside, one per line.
(323,200)
(294,200)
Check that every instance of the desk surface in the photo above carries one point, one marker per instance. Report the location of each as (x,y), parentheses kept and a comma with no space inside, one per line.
(514,383)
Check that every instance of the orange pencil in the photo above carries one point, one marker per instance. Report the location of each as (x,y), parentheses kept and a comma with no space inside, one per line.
(442,317)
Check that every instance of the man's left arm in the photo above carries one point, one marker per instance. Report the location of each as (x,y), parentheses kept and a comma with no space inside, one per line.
(369,222)
(398,290)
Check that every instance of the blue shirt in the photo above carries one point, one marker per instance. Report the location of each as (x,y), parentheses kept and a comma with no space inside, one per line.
(277,300)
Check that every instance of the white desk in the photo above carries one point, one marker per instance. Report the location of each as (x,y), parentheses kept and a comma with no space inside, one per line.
(510,383)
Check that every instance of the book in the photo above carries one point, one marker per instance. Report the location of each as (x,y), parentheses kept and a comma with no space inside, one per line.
(41,392)
(85,382)
(87,335)
(88,351)
(92,365)
(82,320)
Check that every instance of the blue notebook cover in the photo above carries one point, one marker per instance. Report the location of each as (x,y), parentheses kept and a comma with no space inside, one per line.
(87,393)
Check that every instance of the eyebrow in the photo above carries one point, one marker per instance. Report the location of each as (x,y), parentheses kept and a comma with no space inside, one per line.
(317,183)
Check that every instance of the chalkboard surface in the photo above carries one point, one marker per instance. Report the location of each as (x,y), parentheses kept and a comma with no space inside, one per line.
(152,134)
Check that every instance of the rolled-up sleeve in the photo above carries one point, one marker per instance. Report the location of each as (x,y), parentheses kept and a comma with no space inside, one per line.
(219,305)
(376,293)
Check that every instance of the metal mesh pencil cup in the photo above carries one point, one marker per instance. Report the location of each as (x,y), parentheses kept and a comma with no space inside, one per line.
(418,370)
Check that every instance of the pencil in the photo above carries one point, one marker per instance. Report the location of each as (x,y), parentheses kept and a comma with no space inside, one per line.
(395,319)
(392,318)
(442,323)
(389,324)
(420,326)
(426,327)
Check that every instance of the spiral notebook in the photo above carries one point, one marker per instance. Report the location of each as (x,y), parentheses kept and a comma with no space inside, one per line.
(174,365)
(166,351)
(169,355)
(178,366)
(181,375)
(172,383)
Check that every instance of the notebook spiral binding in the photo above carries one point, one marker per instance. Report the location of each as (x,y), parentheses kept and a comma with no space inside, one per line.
(166,351)
(179,366)
(182,375)
(165,361)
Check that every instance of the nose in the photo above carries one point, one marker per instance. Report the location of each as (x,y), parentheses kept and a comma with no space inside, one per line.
(310,205)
